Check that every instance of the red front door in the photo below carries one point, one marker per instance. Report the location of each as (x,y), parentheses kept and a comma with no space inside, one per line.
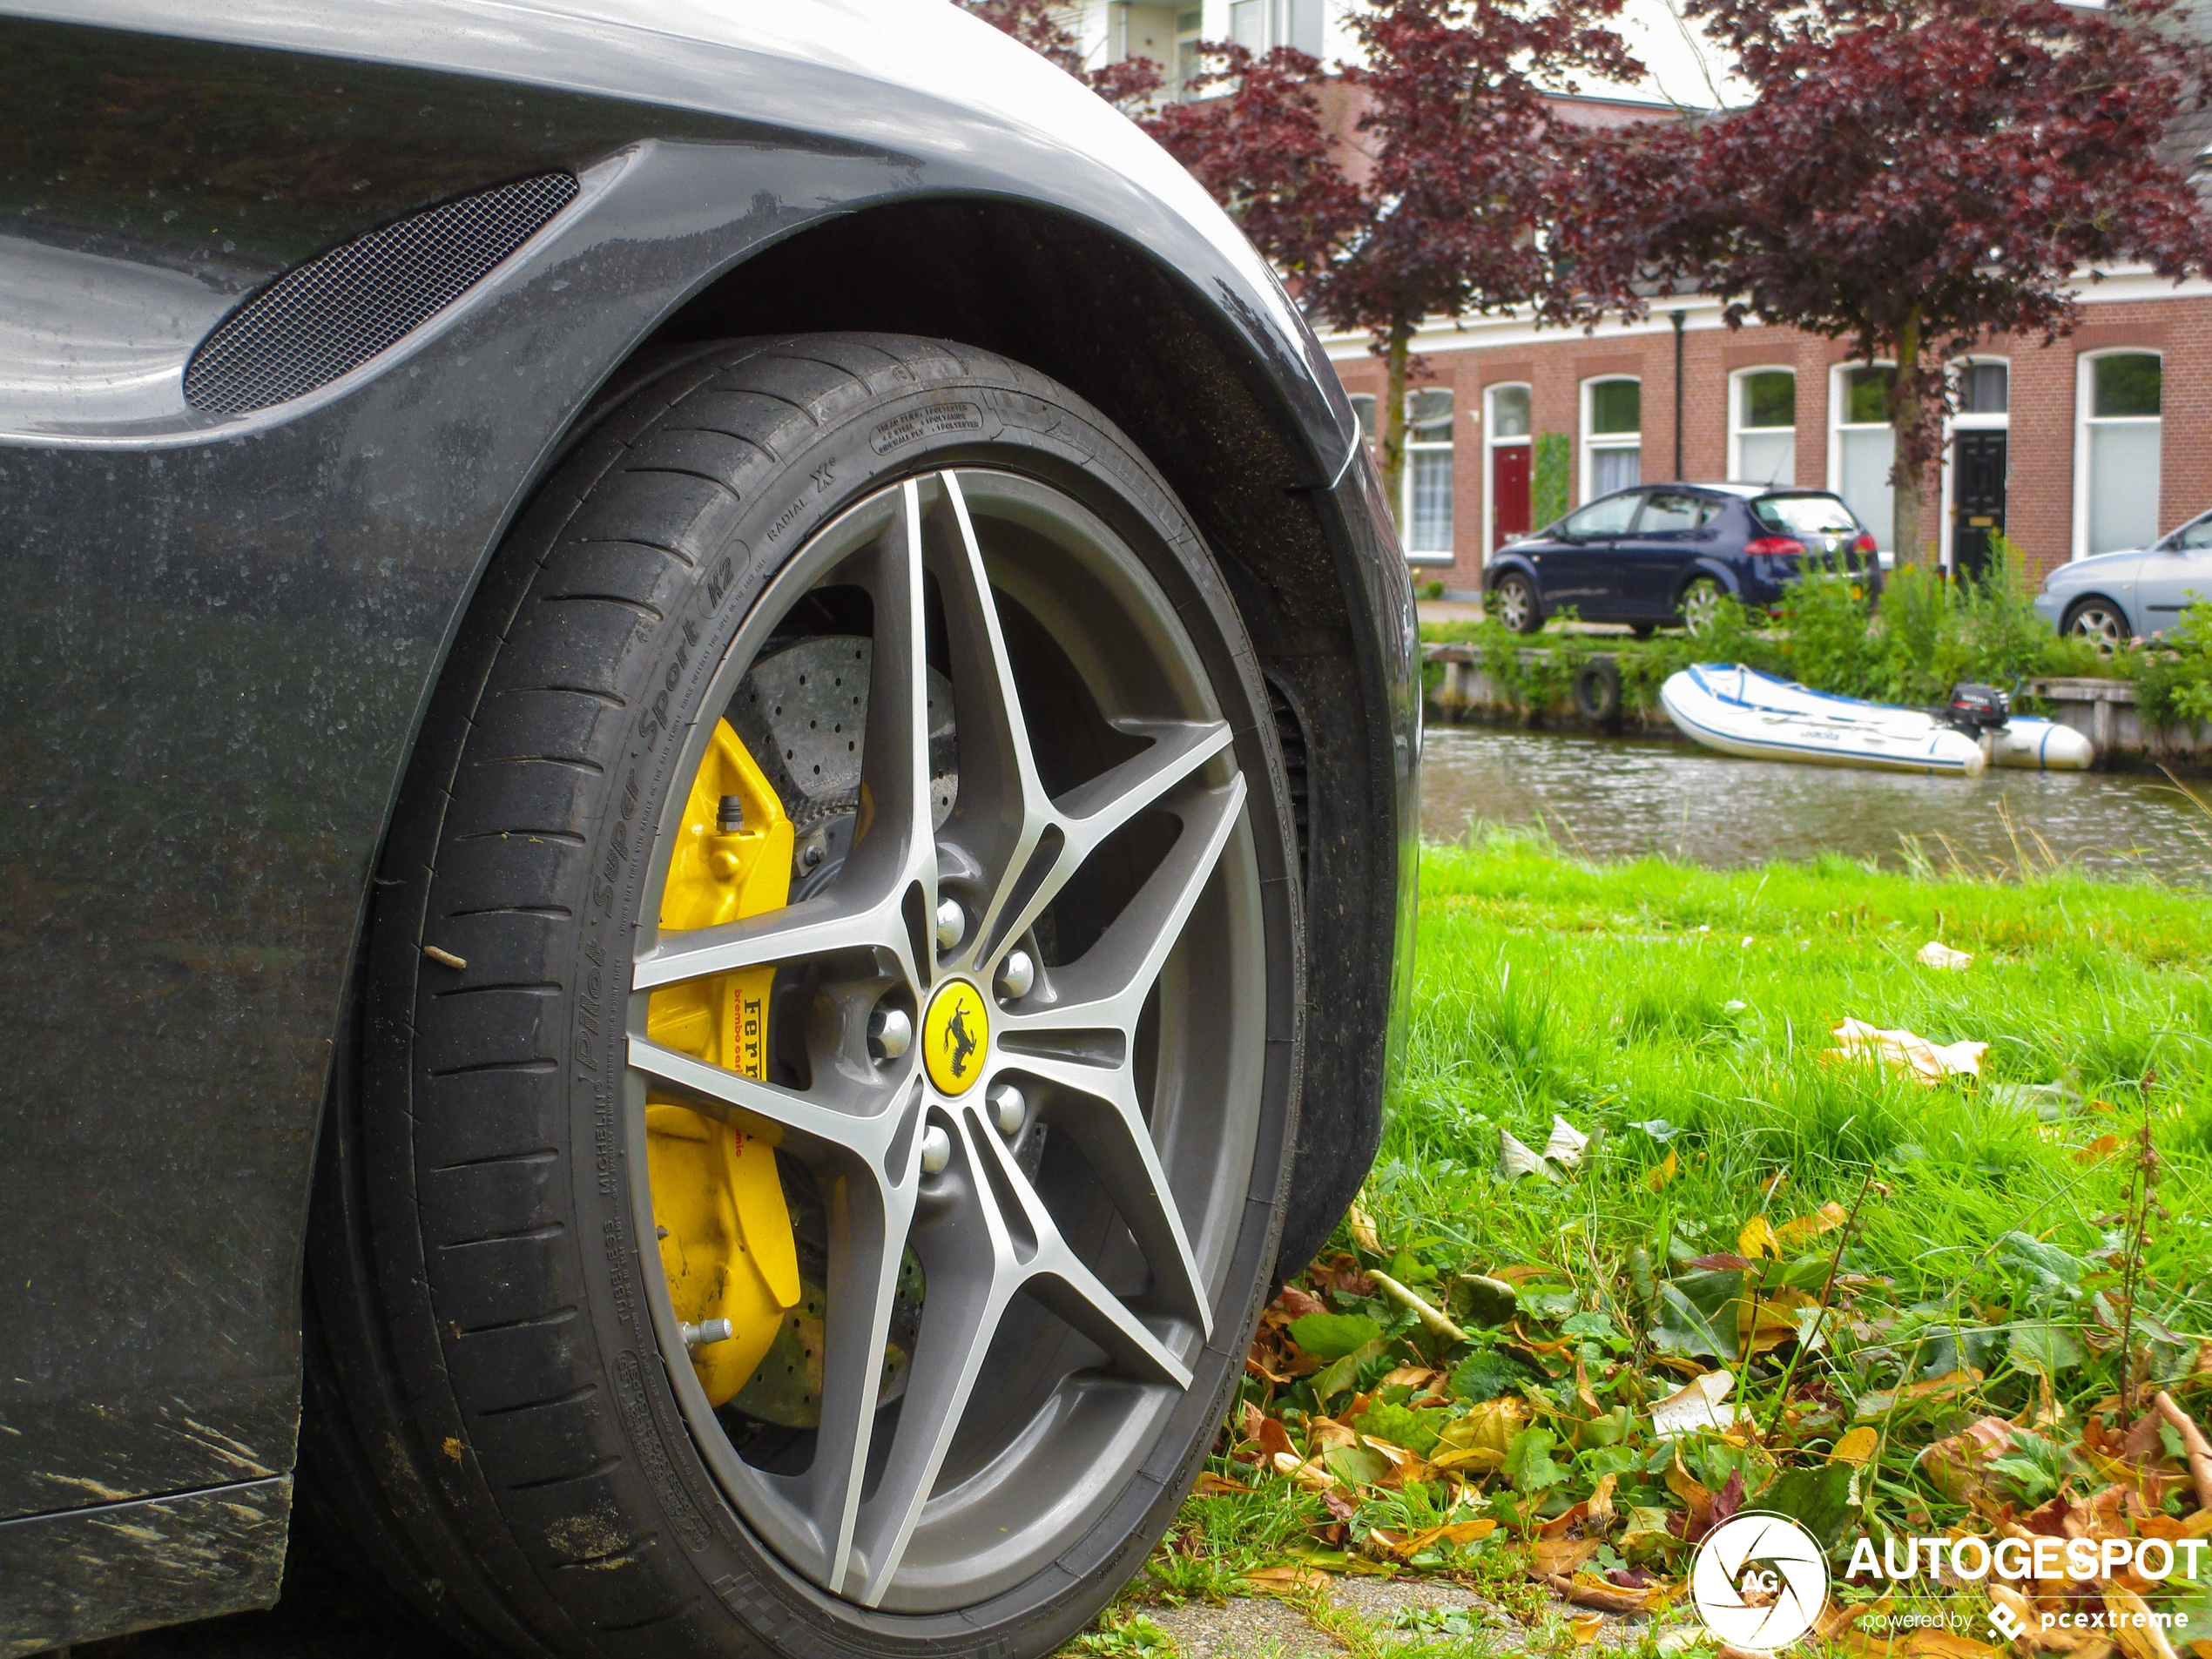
(1508,493)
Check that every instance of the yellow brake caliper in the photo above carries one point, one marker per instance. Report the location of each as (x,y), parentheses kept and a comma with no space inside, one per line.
(726,1239)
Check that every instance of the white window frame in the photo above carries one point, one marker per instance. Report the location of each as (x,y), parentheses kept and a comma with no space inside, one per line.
(1591,441)
(1838,376)
(2085,389)
(1427,556)
(1961,423)
(1176,87)
(1488,417)
(1736,380)
(1370,428)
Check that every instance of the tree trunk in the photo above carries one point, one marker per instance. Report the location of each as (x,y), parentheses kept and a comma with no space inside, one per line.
(1906,414)
(1397,358)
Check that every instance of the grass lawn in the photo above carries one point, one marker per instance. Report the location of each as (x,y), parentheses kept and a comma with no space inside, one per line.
(1914,1308)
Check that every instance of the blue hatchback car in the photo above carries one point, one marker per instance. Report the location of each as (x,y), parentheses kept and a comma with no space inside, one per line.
(1662,553)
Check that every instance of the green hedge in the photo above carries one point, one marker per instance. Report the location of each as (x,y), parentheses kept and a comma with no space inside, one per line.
(1548,478)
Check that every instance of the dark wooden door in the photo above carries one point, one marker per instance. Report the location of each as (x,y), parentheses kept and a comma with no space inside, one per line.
(1977,498)
(1508,493)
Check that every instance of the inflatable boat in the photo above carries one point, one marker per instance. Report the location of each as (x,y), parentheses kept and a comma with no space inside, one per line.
(1739,711)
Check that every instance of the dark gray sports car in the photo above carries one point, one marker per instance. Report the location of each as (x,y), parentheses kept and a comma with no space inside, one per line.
(710,756)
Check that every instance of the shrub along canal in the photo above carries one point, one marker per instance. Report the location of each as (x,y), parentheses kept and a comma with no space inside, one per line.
(1615,797)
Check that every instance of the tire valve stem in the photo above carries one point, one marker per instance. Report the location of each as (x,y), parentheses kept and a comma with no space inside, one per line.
(729,817)
(706,1331)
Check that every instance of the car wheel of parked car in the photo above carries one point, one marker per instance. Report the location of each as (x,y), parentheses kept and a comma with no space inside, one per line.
(815,1155)
(1513,601)
(1701,604)
(2097,618)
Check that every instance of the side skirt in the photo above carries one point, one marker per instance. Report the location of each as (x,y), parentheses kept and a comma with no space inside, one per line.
(120,1567)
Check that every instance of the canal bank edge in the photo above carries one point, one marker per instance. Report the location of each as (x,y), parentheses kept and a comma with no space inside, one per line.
(1586,695)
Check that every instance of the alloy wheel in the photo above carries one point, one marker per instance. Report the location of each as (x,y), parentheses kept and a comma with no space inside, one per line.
(2101,622)
(1011,1062)
(1701,606)
(1516,605)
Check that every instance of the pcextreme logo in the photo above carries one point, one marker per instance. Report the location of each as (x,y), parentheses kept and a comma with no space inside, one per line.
(1759,1581)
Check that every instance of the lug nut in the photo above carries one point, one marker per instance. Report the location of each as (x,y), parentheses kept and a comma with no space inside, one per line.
(937,1149)
(890,1031)
(952,923)
(1016,974)
(706,1331)
(730,820)
(1009,1109)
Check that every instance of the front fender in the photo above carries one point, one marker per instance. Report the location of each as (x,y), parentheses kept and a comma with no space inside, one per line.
(218,633)
(1502,563)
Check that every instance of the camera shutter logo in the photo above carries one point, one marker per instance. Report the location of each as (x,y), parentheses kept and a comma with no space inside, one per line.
(1759,1581)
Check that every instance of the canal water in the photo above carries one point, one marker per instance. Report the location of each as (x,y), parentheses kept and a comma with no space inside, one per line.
(1616,797)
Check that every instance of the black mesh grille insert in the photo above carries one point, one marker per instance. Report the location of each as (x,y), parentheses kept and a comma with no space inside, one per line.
(341,309)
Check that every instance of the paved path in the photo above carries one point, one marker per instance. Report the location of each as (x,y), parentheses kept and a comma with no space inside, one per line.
(326,1616)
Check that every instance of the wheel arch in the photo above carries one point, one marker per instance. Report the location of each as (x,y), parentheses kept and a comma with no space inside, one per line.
(2095,596)
(1713,569)
(1500,563)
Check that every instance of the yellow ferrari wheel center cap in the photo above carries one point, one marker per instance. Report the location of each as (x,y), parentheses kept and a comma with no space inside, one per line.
(954,1034)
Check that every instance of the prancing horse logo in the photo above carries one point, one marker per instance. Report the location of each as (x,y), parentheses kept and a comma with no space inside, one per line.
(956,1032)
(960,1041)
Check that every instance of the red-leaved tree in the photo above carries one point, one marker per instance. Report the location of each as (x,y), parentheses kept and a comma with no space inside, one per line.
(1914,175)
(1259,139)
(1128,85)
(1440,204)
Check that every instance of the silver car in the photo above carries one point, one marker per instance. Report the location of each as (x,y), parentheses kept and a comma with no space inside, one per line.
(2116,596)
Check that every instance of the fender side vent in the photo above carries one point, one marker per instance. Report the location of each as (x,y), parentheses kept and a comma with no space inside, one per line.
(340,309)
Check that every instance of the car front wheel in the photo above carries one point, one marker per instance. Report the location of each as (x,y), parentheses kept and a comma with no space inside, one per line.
(814,1160)
(2098,620)
(1513,601)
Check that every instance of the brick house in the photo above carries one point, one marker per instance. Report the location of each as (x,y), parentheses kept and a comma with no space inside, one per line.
(2100,442)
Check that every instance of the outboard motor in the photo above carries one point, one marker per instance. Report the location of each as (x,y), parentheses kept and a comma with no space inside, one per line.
(1977,709)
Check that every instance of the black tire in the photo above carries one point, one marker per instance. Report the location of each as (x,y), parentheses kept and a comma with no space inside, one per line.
(1597,692)
(492,1421)
(1513,597)
(2097,619)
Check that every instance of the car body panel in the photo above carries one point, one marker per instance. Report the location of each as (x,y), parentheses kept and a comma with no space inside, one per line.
(2176,572)
(1657,558)
(219,634)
